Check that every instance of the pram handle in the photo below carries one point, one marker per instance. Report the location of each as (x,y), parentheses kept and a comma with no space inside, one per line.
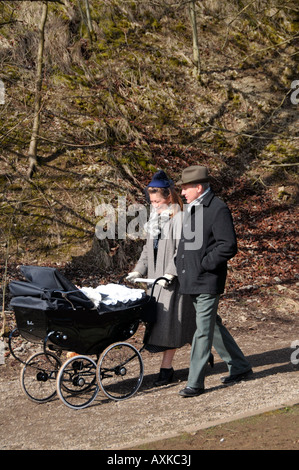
(152,281)
(159,279)
(147,281)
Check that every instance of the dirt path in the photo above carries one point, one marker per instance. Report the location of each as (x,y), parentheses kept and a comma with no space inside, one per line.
(265,330)
(152,413)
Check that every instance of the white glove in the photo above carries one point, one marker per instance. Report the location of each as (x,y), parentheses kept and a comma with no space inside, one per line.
(133,275)
(164,282)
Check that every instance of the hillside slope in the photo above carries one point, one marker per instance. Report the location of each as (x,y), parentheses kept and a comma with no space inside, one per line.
(124,101)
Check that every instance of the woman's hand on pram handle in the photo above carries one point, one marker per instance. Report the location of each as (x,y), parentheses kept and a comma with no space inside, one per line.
(132,276)
(168,278)
(163,281)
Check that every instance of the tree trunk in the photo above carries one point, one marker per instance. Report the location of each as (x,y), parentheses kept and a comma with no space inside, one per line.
(88,16)
(196,57)
(32,153)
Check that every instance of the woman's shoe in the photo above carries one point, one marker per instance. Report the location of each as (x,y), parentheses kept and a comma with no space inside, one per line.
(211,360)
(165,377)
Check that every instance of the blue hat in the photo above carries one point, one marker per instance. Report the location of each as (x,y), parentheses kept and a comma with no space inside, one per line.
(160,180)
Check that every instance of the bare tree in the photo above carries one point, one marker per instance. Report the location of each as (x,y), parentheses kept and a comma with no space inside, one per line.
(32,153)
(5,328)
(196,55)
(86,18)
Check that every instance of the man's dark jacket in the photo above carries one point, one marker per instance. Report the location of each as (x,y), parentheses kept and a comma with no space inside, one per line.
(203,270)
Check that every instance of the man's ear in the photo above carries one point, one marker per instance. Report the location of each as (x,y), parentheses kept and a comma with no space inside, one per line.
(199,189)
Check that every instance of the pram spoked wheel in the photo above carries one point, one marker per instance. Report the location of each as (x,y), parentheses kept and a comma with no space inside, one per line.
(38,376)
(76,382)
(120,371)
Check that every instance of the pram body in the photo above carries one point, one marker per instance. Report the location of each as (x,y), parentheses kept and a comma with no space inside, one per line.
(50,309)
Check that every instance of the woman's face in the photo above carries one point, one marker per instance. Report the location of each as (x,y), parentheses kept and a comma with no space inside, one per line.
(159,202)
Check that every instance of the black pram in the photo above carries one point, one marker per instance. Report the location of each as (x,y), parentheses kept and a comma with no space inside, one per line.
(52,311)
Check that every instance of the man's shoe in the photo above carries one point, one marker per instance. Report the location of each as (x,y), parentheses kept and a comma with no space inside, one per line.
(191,392)
(230,379)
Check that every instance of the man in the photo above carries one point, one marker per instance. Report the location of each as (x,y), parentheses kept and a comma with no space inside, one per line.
(208,241)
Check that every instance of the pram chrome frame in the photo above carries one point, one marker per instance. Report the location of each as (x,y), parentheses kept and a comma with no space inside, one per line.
(102,357)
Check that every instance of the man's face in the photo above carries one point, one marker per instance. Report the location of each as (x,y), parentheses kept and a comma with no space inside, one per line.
(191,191)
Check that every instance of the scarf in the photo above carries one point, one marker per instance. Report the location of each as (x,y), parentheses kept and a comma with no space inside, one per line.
(157,222)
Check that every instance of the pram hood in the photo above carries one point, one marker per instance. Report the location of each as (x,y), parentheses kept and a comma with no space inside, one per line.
(45,277)
(45,290)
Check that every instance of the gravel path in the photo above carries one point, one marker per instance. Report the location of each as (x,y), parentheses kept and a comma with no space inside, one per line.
(153,413)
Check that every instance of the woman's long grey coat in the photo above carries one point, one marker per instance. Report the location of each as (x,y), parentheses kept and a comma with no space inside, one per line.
(175,325)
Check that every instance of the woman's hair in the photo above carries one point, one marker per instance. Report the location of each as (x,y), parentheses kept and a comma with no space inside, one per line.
(175,199)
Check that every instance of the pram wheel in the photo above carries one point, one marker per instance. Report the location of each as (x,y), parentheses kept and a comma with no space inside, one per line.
(120,371)
(76,382)
(38,376)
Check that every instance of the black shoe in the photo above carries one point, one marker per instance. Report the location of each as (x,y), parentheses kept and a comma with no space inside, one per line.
(230,379)
(191,392)
(165,377)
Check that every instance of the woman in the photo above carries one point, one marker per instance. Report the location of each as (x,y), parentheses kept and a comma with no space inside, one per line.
(175,323)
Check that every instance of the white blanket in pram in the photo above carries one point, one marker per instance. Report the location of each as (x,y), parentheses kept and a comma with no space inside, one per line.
(111,294)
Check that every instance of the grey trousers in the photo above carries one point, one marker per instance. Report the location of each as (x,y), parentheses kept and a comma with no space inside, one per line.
(211,332)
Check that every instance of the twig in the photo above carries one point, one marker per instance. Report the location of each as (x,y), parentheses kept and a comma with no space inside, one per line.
(271,47)
(69,144)
(238,14)
(282,164)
